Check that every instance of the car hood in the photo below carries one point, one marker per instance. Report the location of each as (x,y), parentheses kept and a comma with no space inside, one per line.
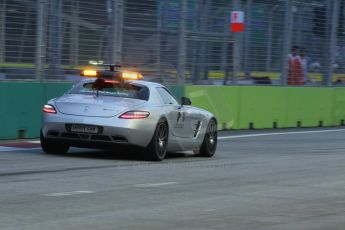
(92,106)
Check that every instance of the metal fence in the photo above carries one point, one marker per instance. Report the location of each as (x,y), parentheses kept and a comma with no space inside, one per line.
(175,41)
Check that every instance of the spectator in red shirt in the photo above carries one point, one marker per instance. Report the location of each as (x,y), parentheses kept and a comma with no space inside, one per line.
(295,76)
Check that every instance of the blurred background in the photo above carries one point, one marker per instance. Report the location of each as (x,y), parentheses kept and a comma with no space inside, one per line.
(173,41)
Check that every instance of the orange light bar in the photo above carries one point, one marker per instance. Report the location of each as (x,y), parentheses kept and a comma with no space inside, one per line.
(89,73)
(132,76)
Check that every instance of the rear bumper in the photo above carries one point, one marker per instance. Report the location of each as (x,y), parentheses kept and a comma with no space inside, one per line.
(114,131)
(94,144)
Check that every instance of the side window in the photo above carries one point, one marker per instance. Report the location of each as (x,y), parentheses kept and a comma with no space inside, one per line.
(167,98)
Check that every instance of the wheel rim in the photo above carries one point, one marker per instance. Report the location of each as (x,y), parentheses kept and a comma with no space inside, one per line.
(162,139)
(211,136)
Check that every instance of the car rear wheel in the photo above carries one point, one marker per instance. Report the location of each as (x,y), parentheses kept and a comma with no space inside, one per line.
(209,145)
(52,147)
(157,148)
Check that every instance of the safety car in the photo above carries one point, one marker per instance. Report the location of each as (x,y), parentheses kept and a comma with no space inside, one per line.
(116,108)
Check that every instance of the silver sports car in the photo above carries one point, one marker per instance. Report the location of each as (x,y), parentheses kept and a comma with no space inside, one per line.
(113,109)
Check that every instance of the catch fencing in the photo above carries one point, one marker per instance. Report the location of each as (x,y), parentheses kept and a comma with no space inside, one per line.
(174,41)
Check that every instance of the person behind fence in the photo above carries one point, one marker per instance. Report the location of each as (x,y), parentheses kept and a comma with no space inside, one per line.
(304,65)
(291,57)
(294,68)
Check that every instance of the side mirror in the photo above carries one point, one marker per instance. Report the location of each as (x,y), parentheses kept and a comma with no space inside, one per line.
(185,101)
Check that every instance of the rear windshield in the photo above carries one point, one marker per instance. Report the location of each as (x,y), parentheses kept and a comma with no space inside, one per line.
(111,89)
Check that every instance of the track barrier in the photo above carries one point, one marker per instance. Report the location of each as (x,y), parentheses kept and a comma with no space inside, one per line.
(236,107)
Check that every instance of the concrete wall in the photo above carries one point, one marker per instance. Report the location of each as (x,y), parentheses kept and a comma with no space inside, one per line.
(243,107)
(236,107)
(21,106)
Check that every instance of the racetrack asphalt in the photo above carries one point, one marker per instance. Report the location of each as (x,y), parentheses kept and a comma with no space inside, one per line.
(291,179)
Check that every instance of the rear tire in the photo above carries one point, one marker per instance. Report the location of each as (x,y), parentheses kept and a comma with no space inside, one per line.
(53,147)
(209,145)
(157,149)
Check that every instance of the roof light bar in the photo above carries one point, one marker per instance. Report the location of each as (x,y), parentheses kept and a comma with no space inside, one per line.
(89,73)
(131,75)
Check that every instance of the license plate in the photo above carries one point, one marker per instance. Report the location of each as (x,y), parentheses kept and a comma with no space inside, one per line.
(84,129)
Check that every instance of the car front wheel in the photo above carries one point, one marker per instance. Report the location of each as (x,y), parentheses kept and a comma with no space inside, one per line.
(209,145)
(52,147)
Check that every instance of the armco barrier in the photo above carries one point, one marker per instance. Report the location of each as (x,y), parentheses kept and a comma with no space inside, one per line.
(243,107)
(21,106)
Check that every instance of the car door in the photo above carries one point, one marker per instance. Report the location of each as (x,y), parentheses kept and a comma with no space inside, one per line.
(175,112)
(193,121)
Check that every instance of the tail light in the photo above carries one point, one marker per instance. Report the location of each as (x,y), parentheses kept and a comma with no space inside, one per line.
(134,115)
(49,109)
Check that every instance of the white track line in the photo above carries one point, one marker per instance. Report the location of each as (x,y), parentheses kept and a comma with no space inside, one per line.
(286,133)
(5,149)
(73,193)
(34,142)
(154,184)
(11,149)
